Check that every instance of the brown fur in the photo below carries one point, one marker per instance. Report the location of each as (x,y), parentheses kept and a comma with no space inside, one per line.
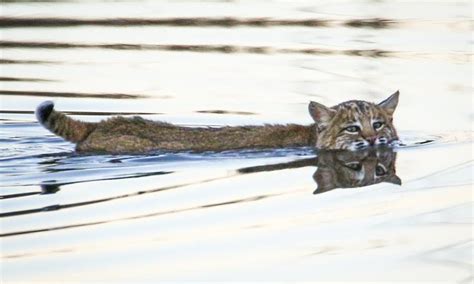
(332,122)
(62,125)
(138,135)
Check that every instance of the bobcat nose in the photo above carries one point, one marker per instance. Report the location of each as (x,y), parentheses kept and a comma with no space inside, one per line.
(371,140)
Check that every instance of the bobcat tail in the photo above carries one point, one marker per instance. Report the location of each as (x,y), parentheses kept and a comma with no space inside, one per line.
(61,124)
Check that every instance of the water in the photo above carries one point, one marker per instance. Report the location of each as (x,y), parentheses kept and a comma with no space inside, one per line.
(238,215)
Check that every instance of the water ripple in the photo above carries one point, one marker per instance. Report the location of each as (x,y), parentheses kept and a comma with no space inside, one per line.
(148,215)
(222,48)
(15,22)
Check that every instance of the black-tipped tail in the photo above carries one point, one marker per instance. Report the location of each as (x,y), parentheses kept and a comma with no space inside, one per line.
(61,124)
(43,111)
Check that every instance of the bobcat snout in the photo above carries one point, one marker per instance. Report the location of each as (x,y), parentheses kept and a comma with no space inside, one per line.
(371,140)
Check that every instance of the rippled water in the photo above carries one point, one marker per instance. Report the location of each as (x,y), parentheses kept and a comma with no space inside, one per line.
(237,215)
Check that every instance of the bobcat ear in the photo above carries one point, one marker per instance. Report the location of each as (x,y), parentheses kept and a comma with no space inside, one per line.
(325,180)
(390,104)
(394,179)
(325,188)
(320,113)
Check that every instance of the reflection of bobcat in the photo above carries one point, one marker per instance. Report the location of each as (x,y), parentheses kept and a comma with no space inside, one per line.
(341,169)
(344,169)
(350,125)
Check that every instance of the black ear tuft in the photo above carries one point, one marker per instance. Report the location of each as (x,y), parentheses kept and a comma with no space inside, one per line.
(43,111)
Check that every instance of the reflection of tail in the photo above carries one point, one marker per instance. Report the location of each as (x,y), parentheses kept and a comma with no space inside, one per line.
(281,166)
(61,124)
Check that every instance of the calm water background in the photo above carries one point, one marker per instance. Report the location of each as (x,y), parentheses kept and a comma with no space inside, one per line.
(182,216)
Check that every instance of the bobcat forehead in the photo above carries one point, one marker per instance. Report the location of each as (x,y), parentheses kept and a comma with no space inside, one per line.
(358,109)
(355,105)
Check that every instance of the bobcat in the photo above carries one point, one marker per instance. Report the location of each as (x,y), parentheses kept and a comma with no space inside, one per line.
(351,125)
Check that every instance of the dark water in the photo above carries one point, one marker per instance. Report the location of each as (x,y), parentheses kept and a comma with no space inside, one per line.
(286,214)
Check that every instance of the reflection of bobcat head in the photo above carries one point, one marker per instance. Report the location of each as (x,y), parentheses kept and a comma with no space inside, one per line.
(342,169)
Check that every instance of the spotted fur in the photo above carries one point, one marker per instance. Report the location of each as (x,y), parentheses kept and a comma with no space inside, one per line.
(355,125)
(138,135)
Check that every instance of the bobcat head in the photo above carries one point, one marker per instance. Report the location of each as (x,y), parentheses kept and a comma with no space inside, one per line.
(343,169)
(354,125)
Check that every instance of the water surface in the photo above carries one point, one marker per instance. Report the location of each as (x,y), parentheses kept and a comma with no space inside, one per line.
(237,215)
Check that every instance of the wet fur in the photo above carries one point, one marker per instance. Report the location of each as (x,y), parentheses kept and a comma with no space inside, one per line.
(62,125)
(138,135)
(331,122)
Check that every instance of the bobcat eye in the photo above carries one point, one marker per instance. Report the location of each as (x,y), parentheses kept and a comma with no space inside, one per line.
(380,170)
(377,125)
(352,129)
(355,166)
